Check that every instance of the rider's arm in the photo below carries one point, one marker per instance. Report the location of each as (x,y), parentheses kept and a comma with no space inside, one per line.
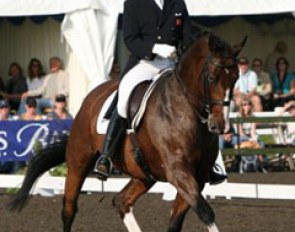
(138,46)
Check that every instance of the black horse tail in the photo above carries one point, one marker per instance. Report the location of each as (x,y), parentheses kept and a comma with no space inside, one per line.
(45,159)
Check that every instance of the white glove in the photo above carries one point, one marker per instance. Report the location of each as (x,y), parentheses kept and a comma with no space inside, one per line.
(164,50)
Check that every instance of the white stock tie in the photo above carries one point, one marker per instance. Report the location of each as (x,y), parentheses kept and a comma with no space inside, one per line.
(160,3)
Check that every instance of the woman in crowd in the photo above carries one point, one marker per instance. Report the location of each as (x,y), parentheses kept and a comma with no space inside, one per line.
(248,137)
(283,83)
(34,81)
(31,112)
(15,86)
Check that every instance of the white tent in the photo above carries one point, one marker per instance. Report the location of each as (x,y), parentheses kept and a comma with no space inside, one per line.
(90,27)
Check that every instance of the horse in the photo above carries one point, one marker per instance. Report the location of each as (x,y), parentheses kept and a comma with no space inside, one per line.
(178,138)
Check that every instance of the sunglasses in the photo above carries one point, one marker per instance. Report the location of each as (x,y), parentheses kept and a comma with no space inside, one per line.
(246,104)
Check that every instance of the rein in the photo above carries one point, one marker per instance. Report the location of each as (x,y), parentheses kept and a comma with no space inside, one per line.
(207,102)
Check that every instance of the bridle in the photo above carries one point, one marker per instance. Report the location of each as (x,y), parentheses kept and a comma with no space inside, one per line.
(208,79)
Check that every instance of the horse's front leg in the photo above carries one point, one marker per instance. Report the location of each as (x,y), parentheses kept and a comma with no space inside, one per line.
(125,200)
(190,190)
(178,212)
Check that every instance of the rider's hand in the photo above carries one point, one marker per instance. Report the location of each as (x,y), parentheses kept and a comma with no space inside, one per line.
(164,50)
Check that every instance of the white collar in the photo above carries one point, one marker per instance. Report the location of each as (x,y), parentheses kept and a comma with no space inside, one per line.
(160,3)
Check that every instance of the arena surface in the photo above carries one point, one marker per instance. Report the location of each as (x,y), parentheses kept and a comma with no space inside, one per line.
(243,215)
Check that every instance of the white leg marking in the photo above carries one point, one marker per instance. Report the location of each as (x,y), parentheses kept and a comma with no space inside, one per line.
(130,222)
(213,228)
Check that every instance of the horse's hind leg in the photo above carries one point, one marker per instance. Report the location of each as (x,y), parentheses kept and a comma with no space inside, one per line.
(179,210)
(78,168)
(125,200)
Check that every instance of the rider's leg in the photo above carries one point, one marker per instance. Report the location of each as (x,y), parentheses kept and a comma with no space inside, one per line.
(114,137)
(143,71)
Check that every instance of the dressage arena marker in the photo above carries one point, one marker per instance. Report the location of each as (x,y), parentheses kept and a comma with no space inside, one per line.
(49,186)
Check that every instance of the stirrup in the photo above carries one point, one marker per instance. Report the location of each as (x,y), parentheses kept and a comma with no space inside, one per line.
(103,168)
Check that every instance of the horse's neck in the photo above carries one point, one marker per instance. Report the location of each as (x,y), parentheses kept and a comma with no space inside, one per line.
(190,71)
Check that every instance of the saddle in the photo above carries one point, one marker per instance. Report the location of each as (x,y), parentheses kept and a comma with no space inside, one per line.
(137,103)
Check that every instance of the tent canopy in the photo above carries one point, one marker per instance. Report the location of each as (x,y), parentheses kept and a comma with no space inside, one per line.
(197,8)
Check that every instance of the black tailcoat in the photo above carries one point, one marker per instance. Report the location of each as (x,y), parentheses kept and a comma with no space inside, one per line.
(145,24)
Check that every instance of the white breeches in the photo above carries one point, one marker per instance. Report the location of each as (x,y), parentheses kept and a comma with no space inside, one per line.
(143,71)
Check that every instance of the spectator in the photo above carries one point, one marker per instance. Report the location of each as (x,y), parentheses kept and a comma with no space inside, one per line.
(249,138)
(280,50)
(283,83)
(15,86)
(7,167)
(59,110)
(246,85)
(31,112)
(264,85)
(34,81)
(57,82)
(4,110)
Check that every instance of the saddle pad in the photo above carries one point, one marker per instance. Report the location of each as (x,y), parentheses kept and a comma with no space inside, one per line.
(102,122)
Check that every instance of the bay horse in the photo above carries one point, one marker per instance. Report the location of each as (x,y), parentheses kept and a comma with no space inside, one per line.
(178,137)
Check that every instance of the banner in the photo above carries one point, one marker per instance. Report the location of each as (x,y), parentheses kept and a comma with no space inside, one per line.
(18,138)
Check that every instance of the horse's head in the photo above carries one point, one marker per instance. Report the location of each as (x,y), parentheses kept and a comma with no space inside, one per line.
(213,65)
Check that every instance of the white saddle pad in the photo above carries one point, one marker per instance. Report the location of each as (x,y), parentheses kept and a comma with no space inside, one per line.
(102,123)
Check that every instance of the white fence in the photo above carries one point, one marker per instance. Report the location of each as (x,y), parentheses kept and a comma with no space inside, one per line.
(49,186)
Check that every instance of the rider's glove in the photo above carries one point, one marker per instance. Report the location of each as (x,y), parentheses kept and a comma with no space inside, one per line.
(164,50)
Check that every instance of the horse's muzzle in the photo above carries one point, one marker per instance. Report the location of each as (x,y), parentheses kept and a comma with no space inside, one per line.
(215,126)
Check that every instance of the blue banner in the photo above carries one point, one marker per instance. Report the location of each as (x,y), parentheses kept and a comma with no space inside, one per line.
(18,138)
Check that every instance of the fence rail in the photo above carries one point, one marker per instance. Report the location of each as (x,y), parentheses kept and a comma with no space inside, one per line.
(271,121)
(50,186)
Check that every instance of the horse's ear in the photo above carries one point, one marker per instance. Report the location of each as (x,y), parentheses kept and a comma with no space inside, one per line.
(238,48)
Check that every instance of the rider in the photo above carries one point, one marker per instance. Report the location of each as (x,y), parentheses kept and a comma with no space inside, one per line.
(154,30)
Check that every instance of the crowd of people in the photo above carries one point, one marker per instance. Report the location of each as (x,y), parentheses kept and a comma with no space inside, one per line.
(260,87)
(39,96)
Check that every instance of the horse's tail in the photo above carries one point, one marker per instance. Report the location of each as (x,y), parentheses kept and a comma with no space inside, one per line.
(45,159)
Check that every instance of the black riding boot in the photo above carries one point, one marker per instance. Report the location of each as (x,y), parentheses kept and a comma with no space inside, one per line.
(215,177)
(115,134)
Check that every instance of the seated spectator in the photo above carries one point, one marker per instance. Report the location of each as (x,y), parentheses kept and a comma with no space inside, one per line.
(283,83)
(4,110)
(31,112)
(57,82)
(280,50)
(264,85)
(246,86)
(35,80)
(247,132)
(15,86)
(60,109)
(7,167)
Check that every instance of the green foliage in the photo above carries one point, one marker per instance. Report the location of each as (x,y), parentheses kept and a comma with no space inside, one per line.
(60,170)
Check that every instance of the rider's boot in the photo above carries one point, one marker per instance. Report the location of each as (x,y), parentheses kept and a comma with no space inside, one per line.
(215,177)
(115,134)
